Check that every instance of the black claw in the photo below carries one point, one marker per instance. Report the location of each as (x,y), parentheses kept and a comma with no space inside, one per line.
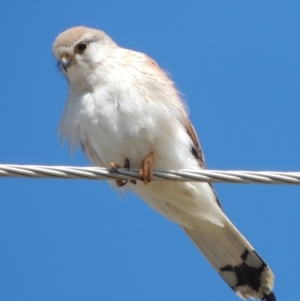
(121,183)
(126,163)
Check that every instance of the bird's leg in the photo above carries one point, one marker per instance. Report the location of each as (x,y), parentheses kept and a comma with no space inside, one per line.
(115,166)
(146,170)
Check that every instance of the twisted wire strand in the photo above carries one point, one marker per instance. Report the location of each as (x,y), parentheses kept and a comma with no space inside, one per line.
(100,173)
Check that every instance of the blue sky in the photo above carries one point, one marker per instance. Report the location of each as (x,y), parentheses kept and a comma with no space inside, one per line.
(236,62)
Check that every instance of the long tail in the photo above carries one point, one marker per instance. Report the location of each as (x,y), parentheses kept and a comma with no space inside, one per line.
(233,257)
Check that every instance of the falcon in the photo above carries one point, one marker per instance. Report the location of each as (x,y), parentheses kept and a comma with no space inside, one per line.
(123,110)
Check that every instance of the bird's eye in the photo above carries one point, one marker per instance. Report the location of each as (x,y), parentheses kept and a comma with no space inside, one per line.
(81,47)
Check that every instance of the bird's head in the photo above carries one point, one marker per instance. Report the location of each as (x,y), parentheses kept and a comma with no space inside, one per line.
(80,51)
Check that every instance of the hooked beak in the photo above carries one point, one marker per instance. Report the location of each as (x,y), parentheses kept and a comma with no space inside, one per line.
(65,62)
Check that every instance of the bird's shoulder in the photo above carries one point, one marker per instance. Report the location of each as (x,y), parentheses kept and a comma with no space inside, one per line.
(135,63)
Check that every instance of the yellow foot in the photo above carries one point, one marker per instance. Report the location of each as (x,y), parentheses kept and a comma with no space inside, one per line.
(146,170)
(115,166)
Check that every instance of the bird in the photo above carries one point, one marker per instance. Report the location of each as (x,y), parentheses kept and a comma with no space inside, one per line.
(123,110)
